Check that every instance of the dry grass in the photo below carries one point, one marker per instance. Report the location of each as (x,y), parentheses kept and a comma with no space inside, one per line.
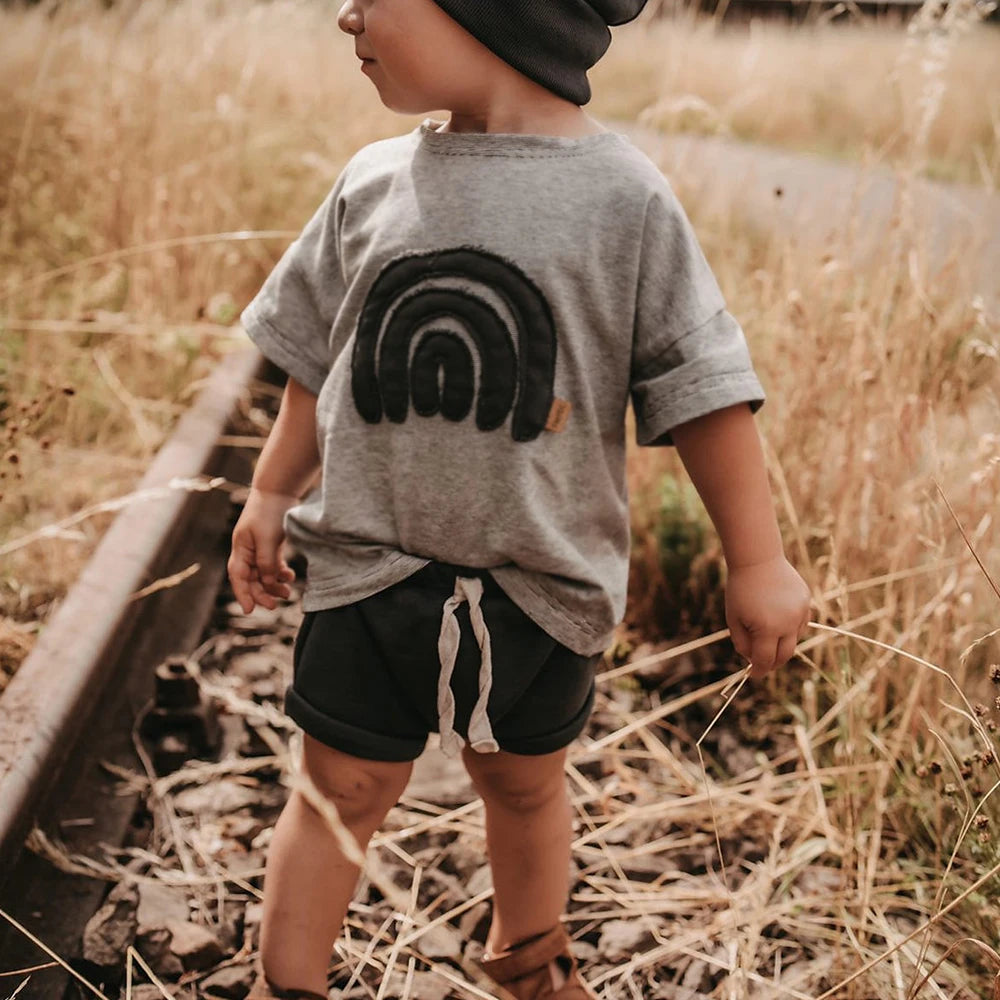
(739,864)
(872,788)
(139,149)
(852,90)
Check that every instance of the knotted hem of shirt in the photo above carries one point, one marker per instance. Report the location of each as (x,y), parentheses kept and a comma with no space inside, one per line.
(480,733)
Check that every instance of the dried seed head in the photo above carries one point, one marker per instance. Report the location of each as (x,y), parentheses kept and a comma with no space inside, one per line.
(980,709)
(935,766)
(951,788)
(995,673)
(984,837)
(986,758)
(981,822)
(922,771)
(966,773)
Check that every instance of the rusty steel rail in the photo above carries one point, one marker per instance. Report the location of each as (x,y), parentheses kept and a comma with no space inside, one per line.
(105,627)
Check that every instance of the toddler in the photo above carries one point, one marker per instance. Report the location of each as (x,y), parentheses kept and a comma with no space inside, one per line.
(463,322)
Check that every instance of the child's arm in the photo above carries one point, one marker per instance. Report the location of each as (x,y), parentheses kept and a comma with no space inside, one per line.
(767,602)
(286,467)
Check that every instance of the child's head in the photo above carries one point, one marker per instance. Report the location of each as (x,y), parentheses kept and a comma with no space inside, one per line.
(433,54)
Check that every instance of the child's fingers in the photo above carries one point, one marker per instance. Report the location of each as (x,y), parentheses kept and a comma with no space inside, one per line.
(741,638)
(763,649)
(241,574)
(786,649)
(262,595)
(273,573)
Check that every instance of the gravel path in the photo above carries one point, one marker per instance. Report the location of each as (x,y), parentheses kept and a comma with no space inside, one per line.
(821,198)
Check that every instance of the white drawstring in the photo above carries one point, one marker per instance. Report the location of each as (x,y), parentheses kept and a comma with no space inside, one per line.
(480,734)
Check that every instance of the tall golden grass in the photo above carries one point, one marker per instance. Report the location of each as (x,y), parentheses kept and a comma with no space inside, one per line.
(140,146)
(857,90)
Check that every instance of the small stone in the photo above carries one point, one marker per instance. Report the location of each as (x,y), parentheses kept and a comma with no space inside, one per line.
(621,939)
(696,975)
(245,864)
(255,666)
(620,834)
(463,858)
(584,951)
(253,913)
(111,930)
(229,932)
(216,798)
(194,945)
(241,826)
(441,942)
(671,991)
(475,923)
(264,690)
(481,879)
(428,986)
(232,983)
(143,992)
(160,904)
(644,867)
(154,946)
(474,950)
(263,839)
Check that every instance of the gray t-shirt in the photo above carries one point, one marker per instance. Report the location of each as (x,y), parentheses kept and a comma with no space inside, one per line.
(475,311)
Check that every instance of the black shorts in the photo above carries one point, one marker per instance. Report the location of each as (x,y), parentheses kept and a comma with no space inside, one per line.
(366,675)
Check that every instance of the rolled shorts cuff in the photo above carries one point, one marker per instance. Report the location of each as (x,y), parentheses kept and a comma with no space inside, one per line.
(347,738)
(550,742)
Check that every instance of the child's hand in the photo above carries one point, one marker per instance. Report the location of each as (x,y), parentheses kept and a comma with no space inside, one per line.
(767,608)
(257,572)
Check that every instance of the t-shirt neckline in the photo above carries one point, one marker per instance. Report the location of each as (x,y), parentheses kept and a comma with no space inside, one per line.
(510,143)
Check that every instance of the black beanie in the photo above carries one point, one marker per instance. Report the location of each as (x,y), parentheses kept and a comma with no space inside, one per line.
(554,42)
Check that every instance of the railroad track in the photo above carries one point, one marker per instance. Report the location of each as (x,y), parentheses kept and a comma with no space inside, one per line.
(82,770)
(147,594)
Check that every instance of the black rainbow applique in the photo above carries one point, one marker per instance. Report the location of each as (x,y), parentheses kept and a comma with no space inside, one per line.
(517,367)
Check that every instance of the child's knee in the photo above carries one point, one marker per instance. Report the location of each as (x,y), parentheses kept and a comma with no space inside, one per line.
(517,782)
(359,788)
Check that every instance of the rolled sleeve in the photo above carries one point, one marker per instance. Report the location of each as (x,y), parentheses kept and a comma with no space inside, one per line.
(284,325)
(689,354)
(707,370)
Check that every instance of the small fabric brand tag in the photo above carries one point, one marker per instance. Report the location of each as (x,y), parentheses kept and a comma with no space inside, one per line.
(558,415)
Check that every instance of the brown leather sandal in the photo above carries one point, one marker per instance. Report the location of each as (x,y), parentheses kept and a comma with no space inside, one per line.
(524,970)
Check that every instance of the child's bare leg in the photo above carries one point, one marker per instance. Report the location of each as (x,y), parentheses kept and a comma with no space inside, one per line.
(309,883)
(528,834)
